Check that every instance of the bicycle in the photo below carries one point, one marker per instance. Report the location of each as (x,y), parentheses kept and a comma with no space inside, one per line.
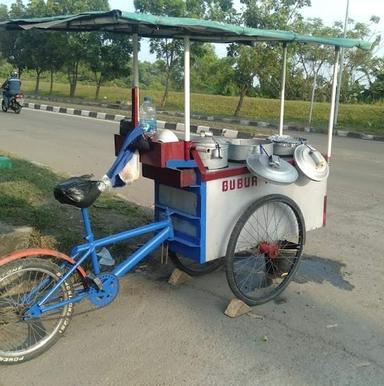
(37,290)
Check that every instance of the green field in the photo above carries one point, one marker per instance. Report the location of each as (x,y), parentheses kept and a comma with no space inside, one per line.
(26,199)
(366,118)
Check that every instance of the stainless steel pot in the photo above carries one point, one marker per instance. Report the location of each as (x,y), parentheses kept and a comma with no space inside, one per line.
(239,148)
(213,151)
(285,145)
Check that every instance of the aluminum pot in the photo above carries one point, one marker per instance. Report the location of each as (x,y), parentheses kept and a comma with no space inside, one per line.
(285,145)
(213,152)
(240,148)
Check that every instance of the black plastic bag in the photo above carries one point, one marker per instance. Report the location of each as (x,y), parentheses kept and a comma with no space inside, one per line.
(81,192)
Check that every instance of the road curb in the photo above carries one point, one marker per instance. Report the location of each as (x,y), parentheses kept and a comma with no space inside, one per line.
(229,133)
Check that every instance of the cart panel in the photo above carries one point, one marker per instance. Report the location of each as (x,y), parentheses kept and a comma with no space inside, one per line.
(228,198)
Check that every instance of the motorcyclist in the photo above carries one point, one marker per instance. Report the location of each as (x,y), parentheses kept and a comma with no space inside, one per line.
(11,87)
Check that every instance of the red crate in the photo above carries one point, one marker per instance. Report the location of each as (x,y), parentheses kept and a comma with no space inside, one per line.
(160,153)
(178,178)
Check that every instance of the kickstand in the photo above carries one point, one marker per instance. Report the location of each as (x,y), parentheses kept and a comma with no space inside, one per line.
(164,254)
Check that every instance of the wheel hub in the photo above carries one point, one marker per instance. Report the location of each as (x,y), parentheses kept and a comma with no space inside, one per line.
(270,250)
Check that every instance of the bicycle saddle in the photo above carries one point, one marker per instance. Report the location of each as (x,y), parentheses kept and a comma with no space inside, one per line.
(81,192)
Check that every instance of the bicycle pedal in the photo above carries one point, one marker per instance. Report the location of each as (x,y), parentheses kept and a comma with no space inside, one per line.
(95,281)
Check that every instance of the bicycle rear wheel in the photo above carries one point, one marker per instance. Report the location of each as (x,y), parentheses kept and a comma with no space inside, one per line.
(22,284)
(264,249)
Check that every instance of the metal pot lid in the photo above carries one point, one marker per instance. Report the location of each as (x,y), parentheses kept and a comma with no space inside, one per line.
(210,141)
(311,162)
(287,139)
(272,168)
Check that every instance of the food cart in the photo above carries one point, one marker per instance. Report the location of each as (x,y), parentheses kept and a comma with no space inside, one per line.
(251,213)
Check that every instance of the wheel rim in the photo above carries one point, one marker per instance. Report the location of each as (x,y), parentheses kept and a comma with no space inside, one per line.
(267,251)
(19,337)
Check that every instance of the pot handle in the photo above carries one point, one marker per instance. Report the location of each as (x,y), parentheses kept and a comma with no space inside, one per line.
(316,156)
(274,161)
(216,153)
(202,149)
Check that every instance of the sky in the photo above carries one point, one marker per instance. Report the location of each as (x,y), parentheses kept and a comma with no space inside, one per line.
(328,10)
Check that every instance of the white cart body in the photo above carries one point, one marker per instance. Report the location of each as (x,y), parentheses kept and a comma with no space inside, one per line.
(208,217)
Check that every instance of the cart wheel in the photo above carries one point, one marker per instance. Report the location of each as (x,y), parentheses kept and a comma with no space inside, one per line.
(264,249)
(194,269)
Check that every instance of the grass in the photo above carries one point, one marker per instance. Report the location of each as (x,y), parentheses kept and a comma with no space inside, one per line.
(366,118)
(26,199)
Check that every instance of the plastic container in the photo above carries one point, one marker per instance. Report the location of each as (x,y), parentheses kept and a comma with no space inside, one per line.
(148,116)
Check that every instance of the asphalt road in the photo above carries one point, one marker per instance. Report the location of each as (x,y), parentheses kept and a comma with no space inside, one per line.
(326,329)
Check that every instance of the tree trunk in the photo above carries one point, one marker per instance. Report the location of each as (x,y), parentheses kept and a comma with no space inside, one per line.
(98,81)
(37,85)
(166,90)
(51,84)
(241,100)
(72,77)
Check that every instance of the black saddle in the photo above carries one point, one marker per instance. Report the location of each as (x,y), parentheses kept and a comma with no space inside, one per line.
(81,192)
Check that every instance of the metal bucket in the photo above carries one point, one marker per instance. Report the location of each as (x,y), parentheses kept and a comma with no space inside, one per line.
(285,145)
(240,148)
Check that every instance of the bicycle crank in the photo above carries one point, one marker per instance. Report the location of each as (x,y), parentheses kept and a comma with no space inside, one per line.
(107,293)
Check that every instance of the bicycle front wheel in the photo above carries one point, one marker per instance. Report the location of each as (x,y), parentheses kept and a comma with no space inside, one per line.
(22,284)
(264,249)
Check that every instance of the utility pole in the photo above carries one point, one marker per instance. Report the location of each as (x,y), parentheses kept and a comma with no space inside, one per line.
(341,67)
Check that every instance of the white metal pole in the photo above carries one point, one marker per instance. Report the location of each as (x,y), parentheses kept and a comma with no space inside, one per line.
(282,96)
(333,100)
(187,88)
(135,60)
(341,66)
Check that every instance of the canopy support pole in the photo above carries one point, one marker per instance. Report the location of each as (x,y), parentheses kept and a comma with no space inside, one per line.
(333,100)
(282,95)
(187,89)
(135,80)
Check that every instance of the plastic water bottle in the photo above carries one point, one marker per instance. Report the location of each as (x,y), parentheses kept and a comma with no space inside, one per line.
(148,116)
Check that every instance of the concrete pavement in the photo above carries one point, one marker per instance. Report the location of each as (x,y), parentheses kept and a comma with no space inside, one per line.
(326,328)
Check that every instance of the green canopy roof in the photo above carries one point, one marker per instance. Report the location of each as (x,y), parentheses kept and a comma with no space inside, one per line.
(152,26)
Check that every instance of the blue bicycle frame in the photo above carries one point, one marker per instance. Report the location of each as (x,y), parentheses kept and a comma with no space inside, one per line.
(163,232)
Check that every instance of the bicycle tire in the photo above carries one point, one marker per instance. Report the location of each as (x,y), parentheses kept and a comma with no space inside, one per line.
(260,267)
(22,340)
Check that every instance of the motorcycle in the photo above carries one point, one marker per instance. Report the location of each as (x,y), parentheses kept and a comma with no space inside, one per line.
(15,103)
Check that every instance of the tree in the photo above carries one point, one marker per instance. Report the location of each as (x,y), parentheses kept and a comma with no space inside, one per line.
(211,74)
(376,88)
(108,57)
(3,12)
(171,51)
(359,66)
(260,64)
(73,48)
